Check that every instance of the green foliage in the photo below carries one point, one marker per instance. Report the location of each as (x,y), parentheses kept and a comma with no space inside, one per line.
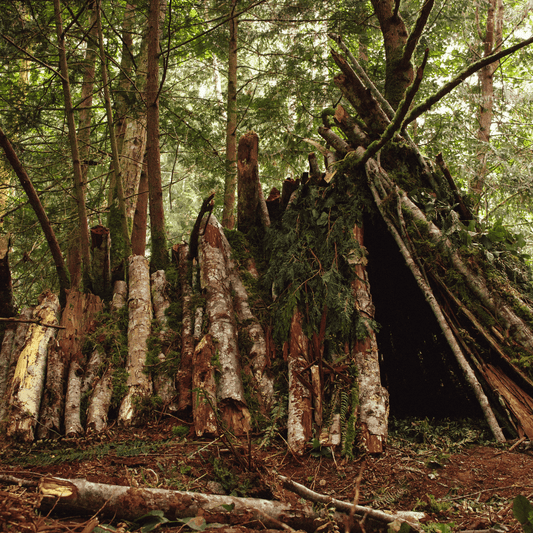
(350,426)
(180,431)
(523,512)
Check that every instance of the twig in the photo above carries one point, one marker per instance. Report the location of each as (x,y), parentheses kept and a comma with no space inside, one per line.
(32,321)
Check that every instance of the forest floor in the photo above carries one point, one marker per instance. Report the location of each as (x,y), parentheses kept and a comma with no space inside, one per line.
(445,470)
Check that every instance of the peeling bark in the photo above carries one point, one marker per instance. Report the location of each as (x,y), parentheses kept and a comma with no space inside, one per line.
(184,375)
(28,381)
(128,503)
(222,326)
(299,417)
(78,317)
(204,388)
(140,318)
(373,398)
(163,383)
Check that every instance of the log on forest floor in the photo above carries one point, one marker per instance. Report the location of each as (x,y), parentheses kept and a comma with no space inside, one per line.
(130,503)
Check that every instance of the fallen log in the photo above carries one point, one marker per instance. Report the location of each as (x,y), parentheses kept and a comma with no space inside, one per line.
(128,503)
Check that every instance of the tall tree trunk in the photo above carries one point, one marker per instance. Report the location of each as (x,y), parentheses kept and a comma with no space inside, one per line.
(228,217)
(79,185)
(159,256)
(140,219)
(35,202)
(121,249)
(493,43)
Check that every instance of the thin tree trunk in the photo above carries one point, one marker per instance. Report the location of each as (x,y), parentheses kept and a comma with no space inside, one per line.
(184,375)
(79,185)
(117,215)
(159,258)
(28,382)
(228,217)
(139,329)
(101,262)
(493,43)
(7,307)
(140,219)
(35,202)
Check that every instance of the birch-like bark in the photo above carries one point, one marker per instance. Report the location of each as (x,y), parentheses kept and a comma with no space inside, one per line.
(299,422)
(184,375)
(78,318)
(97,413)
(216,283)
(163,383)
(251,327)
(28,382)
(139,328)
(373,398)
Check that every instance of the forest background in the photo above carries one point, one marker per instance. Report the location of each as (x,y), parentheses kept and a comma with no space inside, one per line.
(284,74)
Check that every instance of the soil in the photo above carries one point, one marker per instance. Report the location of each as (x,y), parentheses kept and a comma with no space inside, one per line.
(467,483)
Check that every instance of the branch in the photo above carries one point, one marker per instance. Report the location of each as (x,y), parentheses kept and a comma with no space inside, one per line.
(396,122)
(207,205)
(31,321)
(417,32)
(448,87)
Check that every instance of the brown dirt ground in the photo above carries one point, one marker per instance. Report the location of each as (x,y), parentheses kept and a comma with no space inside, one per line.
(469,487)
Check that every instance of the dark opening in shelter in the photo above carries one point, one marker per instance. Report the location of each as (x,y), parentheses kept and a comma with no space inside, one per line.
(418,368)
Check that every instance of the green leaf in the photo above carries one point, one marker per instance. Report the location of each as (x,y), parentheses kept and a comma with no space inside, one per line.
(228,506)
(522,510)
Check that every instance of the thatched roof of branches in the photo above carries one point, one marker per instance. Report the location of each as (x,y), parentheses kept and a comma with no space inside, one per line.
(451,297)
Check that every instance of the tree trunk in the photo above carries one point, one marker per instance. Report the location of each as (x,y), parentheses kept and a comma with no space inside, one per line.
(184,375)
(163,383)
(222,326)
(28,382)
(493,43)
(79,185)
(101,262)
(159,258)
(35,202)
(139,328)
(204,388)
(373,398)
(299,422)
(140,219)
(100,399)
(248,185)
(228,217)
(7,307)
(78,317)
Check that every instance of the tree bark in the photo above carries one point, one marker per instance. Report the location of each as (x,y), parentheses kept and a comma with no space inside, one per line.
(373,398)
(127,503)
(228,217)
(140,218)
(78,317)
(204,388)
(159,258)
(101,262)
(299,422)
(28,382)
(7,307)
(37,206)
(163,384)
(139,328)
(247,182)
(222,326)
(184,375)
(79,185)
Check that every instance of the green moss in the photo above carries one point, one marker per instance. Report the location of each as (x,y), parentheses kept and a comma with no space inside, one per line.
(120,387)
